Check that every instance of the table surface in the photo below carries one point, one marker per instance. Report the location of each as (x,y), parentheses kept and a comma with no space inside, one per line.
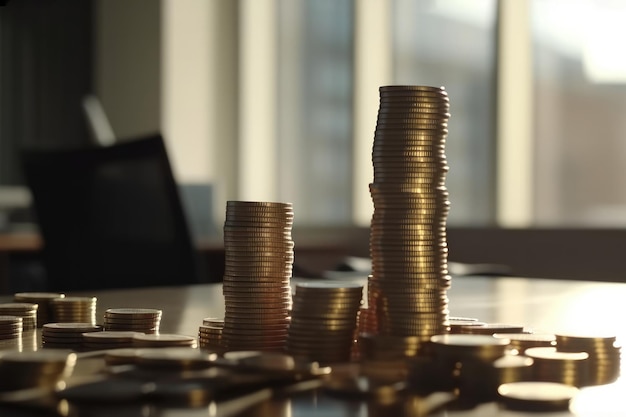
(544,305)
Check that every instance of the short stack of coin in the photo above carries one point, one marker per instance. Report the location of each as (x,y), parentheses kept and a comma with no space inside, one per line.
(27,311)
(66,335)
(465,360)
(74,310)
(386,356)
(550,365)
(408,243)
(109,339)
(258,267)
(143,320)
(324,320)
(492,328)
(522,341)
(43,300)
(210,335)
(10,329)
(604,355)
(163,341)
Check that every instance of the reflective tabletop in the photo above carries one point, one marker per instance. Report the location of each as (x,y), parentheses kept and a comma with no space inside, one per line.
(542,305)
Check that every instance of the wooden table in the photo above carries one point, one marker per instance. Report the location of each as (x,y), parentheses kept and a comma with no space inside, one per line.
(543,305)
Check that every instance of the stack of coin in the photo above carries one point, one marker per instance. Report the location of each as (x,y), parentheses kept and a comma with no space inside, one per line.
(522,341)
(386,356)
(455,348)
(163,340)
(377,347)
(491,328)
(210,334)
(74,310)
(536,396)
(173,359)
(143,320)
(367,321)
(477,381)
(373,293)
(466,363)
(41,369)
(27,311)
(66,335)
(457,324)
(258,267)
(43,300)
(550,365)
(324,320)
(10,328)
(210,338)
(108,340)
(604,355)
(408,243)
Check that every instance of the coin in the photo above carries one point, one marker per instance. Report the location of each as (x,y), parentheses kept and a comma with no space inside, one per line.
(536,396)
(159,340)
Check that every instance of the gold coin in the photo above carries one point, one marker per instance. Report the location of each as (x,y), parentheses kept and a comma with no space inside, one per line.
(133,312)
(259,204)
(109,336)
(82,327)
(536,396)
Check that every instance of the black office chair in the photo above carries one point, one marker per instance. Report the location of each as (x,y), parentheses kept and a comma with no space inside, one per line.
(110,217)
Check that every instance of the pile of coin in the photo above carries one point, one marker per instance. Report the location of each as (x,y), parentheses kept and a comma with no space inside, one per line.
(210,334)
(74,309)
(143,320)
(258,267)
(43,300)
(27,311)
(408,244)
(604,355)
(66,335)
(324,320)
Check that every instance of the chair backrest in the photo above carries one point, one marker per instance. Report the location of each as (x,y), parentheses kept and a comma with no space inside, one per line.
(110,217)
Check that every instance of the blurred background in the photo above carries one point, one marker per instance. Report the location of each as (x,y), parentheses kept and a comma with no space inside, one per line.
(276,100)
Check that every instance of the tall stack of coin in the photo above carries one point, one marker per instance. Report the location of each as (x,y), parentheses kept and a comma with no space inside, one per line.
(43,300)
(408,243)
(143,320)
(259,259)
(74,310)
(27,311)
(324,320)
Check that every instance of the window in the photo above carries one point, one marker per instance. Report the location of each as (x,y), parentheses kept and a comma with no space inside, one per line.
(579,101)
(449,43)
